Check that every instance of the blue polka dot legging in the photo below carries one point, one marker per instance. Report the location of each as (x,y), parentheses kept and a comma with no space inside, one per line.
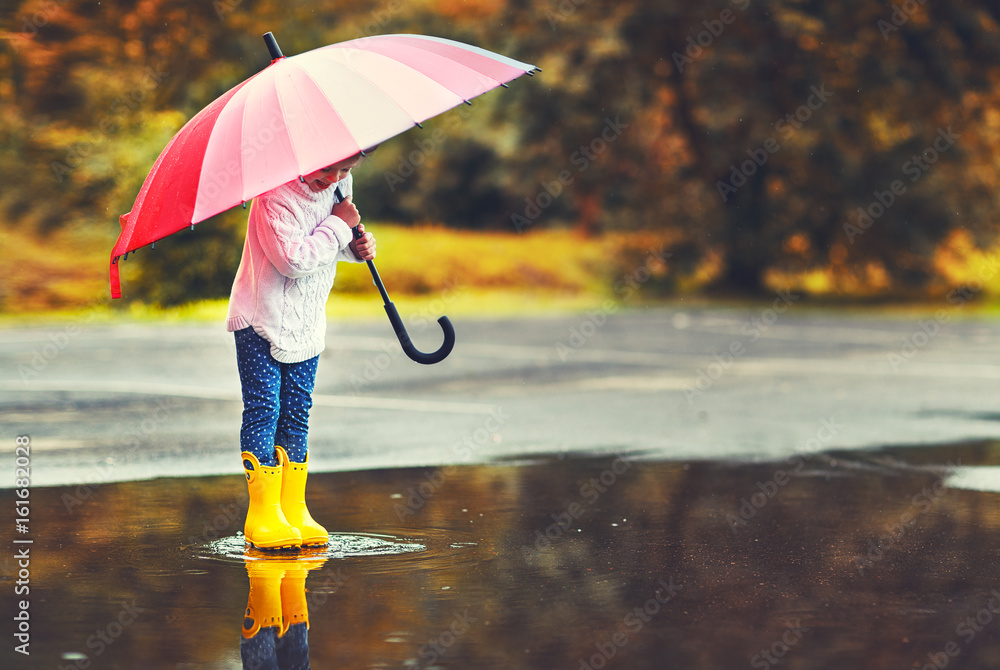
(276,400)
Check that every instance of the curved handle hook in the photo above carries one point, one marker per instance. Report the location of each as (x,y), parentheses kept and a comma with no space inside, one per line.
(410,350)
(397,323)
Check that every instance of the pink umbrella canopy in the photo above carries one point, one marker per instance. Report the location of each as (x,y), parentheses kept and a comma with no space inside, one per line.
(300,114)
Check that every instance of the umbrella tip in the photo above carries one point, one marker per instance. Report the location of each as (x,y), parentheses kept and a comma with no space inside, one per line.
(272,46)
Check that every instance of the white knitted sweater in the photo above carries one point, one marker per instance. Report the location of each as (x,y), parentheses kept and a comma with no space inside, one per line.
(289,262)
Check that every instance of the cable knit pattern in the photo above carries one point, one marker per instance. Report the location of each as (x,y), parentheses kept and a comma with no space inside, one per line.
(288,266)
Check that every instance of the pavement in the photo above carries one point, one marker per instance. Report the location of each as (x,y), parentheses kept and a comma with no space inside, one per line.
(104,403)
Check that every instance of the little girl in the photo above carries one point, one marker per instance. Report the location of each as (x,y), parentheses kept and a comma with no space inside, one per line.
(296,235)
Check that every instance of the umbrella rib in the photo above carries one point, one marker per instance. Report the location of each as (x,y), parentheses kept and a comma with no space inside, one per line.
(243,128)
(281,111)
(415,43)
(383,91)
(456,63)
(332,110)
(468,68)
(497,57)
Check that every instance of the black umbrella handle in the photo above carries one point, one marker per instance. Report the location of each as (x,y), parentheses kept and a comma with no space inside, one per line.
(397,323)
(409,349)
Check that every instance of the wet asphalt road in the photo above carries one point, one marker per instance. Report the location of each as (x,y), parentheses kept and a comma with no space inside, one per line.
(109,403)
(863,534)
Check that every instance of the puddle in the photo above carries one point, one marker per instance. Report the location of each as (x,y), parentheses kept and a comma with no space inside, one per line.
(234,549)
(864,559)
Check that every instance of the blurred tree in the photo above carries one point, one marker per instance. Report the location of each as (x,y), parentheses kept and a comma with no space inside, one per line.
(98,86)
(760,129)
(769,139)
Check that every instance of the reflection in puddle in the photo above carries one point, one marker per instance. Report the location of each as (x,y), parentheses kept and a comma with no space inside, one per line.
(276,621)
(869,559)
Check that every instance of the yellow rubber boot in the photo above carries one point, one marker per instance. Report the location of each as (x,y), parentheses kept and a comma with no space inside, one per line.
(293,500)
(294,607)
(266,526)
(264,602)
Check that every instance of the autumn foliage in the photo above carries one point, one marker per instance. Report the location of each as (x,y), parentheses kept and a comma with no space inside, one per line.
(827,146)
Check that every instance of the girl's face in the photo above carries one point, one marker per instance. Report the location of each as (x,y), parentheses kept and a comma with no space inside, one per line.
(324,178)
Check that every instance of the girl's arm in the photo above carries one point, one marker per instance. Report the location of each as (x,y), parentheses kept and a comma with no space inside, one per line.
(293,252)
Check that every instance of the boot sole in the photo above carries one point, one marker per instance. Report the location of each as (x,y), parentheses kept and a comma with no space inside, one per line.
(274,547)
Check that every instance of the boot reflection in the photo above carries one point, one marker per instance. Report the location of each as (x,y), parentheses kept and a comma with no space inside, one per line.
(276,621)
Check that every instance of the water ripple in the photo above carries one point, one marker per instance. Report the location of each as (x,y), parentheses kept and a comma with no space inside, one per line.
(342,545)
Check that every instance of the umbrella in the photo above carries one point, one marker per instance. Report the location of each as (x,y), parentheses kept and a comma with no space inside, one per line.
(293,118)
